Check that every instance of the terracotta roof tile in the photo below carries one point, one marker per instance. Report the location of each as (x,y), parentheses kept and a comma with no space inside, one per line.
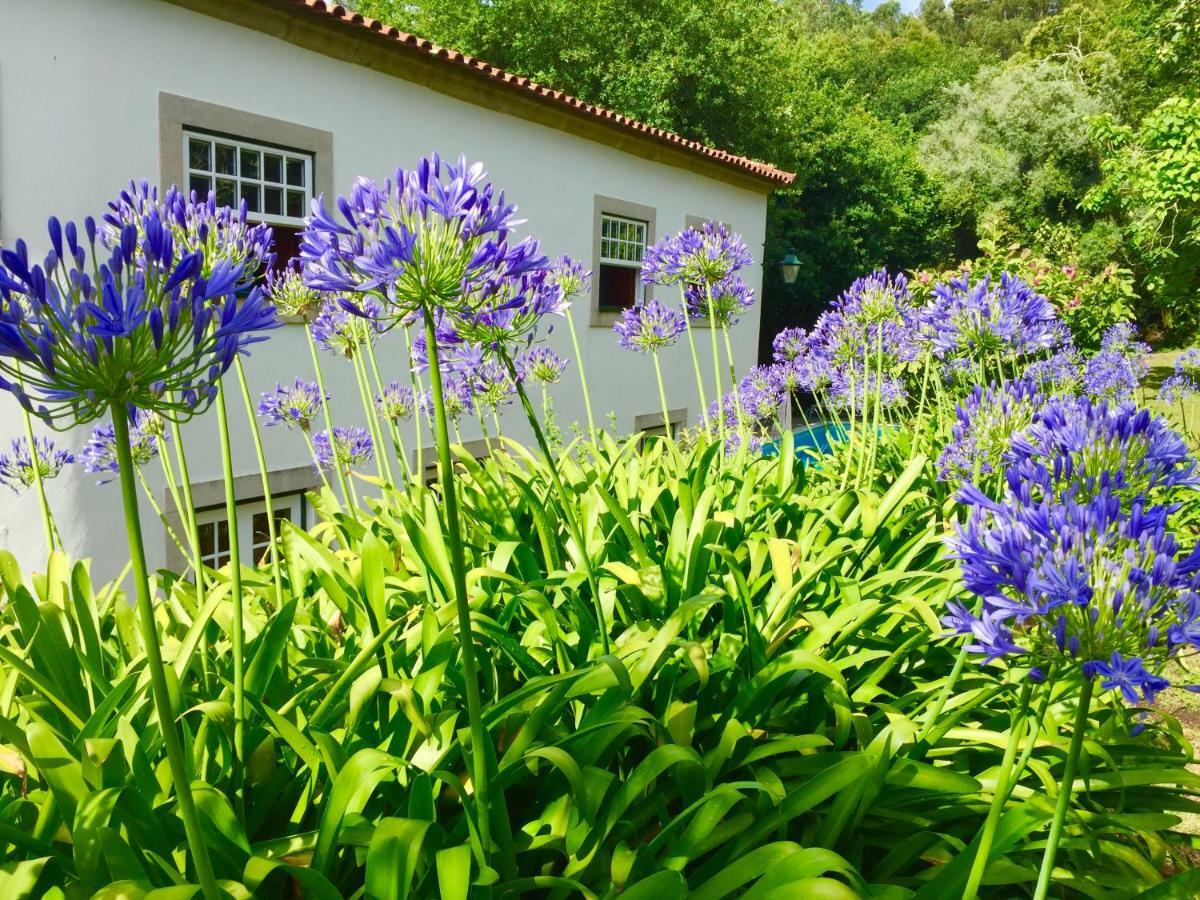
(339,16)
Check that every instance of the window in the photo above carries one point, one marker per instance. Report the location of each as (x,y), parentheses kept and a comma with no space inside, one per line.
(622,246)
(653,423)
(254,538)
(275,182)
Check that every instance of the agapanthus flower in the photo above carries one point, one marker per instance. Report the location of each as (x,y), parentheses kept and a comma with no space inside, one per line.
(722,301)
(397,403)
(293,405)
(854,388)
(17,469)
(340,331)
(987,320)
(99,453)
(220,234)
(696,256)
(292,296)
(353,445)
(738,440)
(1123,338)
(541,365)
(1081,580)
(1188,362)
(649,327)
(458,397)
(1058,374)
(148,326)
(571,276)
(763,394)
(789,344)
(1087,446)
(1113,375)
(491,384)
(436,237)
(985,426)
(1178,388)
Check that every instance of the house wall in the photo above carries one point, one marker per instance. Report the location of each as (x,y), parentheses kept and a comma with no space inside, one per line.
(80,87)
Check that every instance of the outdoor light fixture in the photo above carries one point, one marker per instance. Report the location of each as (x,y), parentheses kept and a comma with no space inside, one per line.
(789,267)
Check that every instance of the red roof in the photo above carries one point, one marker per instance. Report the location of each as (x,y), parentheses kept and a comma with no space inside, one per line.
(340,17)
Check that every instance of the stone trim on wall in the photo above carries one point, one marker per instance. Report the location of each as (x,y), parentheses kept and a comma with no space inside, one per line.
(615,207)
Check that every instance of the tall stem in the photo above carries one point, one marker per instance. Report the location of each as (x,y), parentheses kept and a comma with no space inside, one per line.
(587,399)
(316,361)
(733,379)
(712,330)
(418,389)
(662,394)
(568,504)
(687,322)
(397,441)
(999,795)
(265,477)
(1064,797)
(159,690)
(479,736)
(235,579)
(38,484)
(383,466)
(189,515)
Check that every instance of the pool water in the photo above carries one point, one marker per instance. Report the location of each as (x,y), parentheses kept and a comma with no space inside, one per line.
(811,439)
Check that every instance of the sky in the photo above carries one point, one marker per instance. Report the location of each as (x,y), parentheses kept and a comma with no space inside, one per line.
(906,5)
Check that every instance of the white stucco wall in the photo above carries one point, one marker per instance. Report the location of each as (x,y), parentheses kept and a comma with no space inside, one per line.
(79,85)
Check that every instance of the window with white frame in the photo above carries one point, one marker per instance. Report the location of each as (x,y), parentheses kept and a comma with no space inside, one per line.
(275,182)
(254,536)
(622,248)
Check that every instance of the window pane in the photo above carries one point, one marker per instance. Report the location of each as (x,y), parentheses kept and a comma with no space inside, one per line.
(273,201)
(226,192)
(222,535)
(201,184)
(273,168)
(208,535)
(295,204)
(226,159)
(295,171)
(250,163)
(250,193)
(199,154)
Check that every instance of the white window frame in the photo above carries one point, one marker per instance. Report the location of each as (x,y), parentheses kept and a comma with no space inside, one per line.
(635,249)
(240,144)
(294,505)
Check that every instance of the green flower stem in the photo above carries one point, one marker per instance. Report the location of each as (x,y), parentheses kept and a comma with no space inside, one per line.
(312,451)
(687,324)
(397,441)
(733,379)
(587,399)
(944,694)
(235,578)
(479,735)
(496,422)
(878,400)
(39,484)
(662,394)
(382,464)
(265,476)
(316,361)
(159,690)
(193,528)
(418,390)
(1066,791)
(168,471)
(712,331)
(568,503)
(1000,795)
(158,512)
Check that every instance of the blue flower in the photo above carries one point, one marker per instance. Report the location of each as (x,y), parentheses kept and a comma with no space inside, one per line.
(722,301)
(397,403)
(649,327)
(696,257)
(99,454)
(1128,676)
(296,405)
(541,365)
(985,425)
(342,332)
(17,469)
(352,444)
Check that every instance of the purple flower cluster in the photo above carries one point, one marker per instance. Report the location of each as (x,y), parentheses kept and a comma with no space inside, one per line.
(291,295)
(976,320)
(437,239)
(696,257)
(352,445)
(985,425)
(1058,374)
(397,403)
(296,404)
(491,385)
(649,327)
(1076,564)
(99,453)
(541,365)
(154,324)
(789,345)
(17,469)
(1182,386)
(571,277)
(721,302)
(342,332)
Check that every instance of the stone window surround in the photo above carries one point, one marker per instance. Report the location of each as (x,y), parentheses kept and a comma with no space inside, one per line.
(246,489)
(615,207)
(677,418)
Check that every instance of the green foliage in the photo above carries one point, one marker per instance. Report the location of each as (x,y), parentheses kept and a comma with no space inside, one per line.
(1152,179)
(775,716)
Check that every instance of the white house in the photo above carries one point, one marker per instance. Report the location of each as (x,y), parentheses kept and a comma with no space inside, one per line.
(277,101)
